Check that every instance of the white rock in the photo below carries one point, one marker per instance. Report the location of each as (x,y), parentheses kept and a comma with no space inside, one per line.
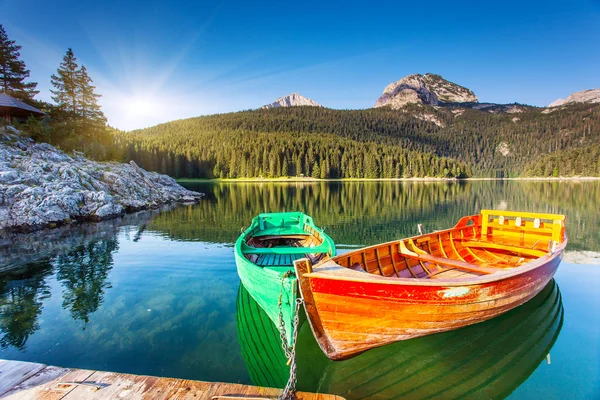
(40,185)
(109,210)
(429,118)
(503,149)
(449,92)
(291,100)
(8,176)
(584,96)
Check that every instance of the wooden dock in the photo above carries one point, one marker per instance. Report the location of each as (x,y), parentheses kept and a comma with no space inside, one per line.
(25,380)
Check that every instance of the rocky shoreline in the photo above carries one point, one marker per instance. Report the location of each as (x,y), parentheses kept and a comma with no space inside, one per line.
(41,186)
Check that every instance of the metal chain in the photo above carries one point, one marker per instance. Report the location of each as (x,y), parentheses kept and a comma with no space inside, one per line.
(282,332)
(289,392)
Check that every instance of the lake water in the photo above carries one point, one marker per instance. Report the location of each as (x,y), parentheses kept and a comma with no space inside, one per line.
(157,293)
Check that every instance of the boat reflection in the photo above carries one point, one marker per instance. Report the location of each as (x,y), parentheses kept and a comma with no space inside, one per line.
(486,360)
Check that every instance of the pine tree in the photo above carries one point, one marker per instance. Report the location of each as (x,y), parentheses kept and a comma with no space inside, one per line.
(13,71)
(88,99)
(66,83)
(77,117)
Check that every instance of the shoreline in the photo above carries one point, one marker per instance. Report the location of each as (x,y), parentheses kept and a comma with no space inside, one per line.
(43,187)
(423,179)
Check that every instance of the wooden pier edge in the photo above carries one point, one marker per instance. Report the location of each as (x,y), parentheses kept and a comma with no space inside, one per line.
(26,380)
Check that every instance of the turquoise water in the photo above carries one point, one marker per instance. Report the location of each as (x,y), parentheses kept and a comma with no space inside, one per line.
(155,293)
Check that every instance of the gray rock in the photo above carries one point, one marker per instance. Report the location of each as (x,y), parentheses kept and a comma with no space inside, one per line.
(428,89)
(41,186)
(109,210)
(8,176)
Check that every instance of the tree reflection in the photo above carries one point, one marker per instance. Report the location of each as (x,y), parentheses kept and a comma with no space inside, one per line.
(22,294)
(365,213)
(83,272)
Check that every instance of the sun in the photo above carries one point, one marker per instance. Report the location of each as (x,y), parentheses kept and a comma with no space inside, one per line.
(140,106)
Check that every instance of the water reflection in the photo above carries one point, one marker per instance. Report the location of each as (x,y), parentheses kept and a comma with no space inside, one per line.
(365,213)
(83,272)
(22,295)
(156,291)
(80,257)
(486,360)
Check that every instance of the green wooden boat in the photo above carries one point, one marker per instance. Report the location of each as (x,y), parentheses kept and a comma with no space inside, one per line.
(488,360)
(265,255)
(260,343)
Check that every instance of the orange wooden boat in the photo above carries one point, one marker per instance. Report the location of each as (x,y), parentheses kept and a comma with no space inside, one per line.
(484,266)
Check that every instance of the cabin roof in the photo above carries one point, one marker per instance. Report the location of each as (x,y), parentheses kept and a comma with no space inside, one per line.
(15,106)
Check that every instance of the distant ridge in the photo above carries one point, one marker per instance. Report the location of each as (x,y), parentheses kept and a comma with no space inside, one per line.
(584,96)
(291,100)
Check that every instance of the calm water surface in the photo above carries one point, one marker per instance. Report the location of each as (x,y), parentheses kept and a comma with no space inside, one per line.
(157,293)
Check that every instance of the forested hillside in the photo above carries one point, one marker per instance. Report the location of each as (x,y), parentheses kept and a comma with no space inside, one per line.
(578,161)
(416,141)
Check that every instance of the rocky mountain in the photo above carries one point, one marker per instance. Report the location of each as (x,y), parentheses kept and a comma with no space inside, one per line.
(585,96)
(41,185)
(428,89)
(291,100)
(449,92)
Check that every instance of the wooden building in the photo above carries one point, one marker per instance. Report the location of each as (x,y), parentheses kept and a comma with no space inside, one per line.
(12,108)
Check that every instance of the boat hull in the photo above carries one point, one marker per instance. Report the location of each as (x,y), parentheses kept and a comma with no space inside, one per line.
(272,283)
(265,286)
(482,361)
(353,307)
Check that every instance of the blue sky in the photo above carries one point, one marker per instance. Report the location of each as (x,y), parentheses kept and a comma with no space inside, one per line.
(155,61)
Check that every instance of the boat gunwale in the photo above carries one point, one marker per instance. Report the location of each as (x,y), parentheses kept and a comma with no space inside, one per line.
(326,239)
(330,269)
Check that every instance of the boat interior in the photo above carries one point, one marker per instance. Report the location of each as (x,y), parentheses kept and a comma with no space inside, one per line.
(478,245)
(276,244)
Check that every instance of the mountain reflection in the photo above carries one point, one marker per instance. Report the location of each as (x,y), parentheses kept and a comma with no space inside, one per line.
(366,213)
(22,294)
(486,360)
(83,273)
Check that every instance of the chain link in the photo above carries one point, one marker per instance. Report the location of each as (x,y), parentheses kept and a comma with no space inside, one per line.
(289,392)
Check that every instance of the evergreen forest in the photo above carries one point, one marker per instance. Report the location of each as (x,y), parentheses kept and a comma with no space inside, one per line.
(373,143)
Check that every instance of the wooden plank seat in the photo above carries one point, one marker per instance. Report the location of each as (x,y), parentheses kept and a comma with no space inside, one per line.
(322,248)
(280,231)
(463,265)
(269,260)
(513,249)
(271,237)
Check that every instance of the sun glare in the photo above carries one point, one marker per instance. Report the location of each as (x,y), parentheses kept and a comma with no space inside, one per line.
(140,106)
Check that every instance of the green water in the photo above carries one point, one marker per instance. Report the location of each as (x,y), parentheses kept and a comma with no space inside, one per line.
(157,293)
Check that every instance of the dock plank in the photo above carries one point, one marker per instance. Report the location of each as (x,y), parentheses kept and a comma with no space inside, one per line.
(38,381)
(13,373)
(50,383)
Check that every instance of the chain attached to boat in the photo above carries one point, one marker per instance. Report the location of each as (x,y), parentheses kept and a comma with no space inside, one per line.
(289,392)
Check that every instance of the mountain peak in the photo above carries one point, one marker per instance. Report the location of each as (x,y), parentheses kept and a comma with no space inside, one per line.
(291,100)
(429,89)
(584,96)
